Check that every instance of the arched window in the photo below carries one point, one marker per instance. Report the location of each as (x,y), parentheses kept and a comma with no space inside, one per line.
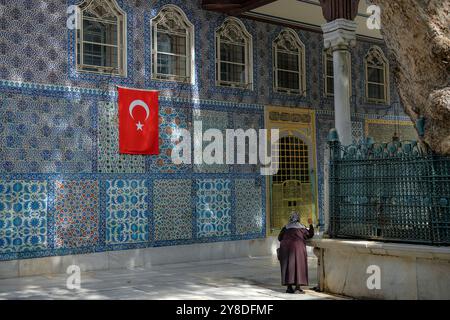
(377,76)
(234,55)
(101,38)
(289,63)
(173,45)
(328,74)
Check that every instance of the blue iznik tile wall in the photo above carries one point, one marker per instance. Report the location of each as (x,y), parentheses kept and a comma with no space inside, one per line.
(64,189)
(126,211)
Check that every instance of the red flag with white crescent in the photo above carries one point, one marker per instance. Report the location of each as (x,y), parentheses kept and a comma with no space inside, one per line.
(138,121)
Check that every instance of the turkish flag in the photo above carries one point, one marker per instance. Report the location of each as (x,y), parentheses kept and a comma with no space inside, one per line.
(138,121)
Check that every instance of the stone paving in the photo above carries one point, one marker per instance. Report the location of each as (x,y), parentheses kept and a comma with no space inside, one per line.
(245,278)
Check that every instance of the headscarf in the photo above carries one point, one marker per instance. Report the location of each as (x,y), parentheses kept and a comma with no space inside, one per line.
(294,222)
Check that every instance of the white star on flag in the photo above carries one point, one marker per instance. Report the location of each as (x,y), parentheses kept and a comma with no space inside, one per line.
(139,126)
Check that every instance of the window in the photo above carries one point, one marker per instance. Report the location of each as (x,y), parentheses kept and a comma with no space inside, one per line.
(173,45)
(328,74)
(377,73)
(288,63)
(234,55)
(101,38)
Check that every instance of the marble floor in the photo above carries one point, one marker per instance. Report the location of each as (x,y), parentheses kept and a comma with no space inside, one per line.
(244,278)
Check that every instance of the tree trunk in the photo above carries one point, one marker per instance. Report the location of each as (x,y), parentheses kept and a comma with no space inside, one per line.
(417,33)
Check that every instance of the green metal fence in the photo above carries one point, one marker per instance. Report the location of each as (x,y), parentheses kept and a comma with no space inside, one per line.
(393,191)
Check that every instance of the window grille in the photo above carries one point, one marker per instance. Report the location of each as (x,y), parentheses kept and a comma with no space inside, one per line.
(173,45)
(288,63)
(291,185)
(233,55)
(377,84)
(101,38)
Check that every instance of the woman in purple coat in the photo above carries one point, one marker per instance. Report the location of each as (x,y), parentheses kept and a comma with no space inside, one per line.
(292,254)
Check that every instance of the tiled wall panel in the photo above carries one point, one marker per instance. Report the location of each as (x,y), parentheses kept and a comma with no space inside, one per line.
(213,207)
(65,189)
(126,211)
(249,219)
(76,213)
(173,209)
(23,215)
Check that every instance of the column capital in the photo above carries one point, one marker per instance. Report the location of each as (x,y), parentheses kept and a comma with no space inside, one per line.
(339,34)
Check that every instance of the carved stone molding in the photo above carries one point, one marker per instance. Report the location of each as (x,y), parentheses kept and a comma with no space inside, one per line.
(339,34)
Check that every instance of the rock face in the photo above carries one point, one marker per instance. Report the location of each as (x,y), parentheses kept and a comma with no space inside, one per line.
(417,33)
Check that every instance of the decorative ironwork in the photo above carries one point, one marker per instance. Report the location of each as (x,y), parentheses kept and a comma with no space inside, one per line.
(172,20)
(102,10)
(370,150)
(396,191)
(233,54)
(233,31)
(377,80)
(288,63)
(173,42)
(101,38)
(292,187)
(375,57)
(288,41)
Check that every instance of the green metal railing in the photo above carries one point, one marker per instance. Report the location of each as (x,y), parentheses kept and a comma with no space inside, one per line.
(393,191)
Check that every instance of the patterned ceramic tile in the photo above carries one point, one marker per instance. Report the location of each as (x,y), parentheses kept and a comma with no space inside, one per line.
(40,134)
(171,121)
(357,131)
(109,159)
(249,212)
(383,132)
(76,213)
(212,120)
(213,207)
(23,215)
(126,211)
(34,49)
(172,209)
(37,47)
(246,121)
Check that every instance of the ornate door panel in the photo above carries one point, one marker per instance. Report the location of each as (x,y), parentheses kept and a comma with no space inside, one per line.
(294,186)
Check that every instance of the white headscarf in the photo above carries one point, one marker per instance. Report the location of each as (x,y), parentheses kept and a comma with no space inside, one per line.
(294,222)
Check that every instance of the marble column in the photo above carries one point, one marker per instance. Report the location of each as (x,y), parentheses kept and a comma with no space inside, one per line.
(340,36)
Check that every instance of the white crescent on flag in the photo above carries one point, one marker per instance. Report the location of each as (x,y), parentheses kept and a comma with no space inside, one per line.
(141,103)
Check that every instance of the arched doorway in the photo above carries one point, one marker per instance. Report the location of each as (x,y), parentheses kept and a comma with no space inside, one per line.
(292,187)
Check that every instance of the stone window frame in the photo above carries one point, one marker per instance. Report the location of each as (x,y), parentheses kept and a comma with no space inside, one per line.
(288,35)
(121,15)
(376,52)
(234,25)
(174,12)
